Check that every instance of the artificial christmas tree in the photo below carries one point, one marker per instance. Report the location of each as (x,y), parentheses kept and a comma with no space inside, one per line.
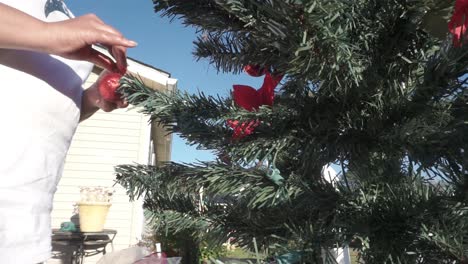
(367,86)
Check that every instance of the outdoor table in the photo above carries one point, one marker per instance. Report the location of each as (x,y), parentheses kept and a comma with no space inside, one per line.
(84,244)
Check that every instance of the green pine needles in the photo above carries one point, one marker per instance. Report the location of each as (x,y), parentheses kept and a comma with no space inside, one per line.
(371,86)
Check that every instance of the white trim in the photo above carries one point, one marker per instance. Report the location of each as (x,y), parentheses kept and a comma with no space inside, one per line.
(143,157)
(146,72)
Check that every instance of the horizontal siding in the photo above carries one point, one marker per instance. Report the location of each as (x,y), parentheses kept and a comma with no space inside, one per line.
(100,143)
(73,182)
(101,154)
(83,174)
(83,168)
(104,145)
(108,162)
(117,210)
(69,198)
(130,132)
(127,114)
(94,137)
(114,124)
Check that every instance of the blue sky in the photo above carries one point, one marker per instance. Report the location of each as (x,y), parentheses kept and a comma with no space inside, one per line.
(165,45)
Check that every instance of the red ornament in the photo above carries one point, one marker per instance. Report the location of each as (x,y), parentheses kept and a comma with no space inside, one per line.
(108,85)
(251,100)
(244,129)
(246,97)
(255,70)
(459,22)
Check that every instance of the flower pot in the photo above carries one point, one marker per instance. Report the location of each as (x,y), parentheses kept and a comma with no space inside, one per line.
(93,216)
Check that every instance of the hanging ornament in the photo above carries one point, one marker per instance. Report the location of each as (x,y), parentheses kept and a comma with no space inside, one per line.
(108,86)
(275,176)
(459,22)
(255,70)
(242,129)
(251,99)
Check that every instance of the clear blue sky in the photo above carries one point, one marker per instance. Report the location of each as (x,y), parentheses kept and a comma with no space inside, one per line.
(165,45)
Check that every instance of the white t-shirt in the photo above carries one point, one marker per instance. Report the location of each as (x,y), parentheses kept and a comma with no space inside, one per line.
(39,114)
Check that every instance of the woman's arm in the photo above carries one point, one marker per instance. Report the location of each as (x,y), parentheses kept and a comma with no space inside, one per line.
(19,30)
(72,39)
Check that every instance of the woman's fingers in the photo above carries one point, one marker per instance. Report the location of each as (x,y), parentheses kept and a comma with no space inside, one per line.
(113,39)
(104,61)
(120,55)
(101,60)
(113,43)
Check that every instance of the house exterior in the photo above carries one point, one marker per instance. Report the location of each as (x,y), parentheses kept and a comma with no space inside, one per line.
(105,140)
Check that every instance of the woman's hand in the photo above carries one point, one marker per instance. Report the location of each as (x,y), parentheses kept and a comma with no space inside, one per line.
(72,39)
(92,100)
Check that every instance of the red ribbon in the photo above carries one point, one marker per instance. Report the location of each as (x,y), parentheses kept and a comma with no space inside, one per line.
(251,100)
(255,70)
(243,129)
(459,22)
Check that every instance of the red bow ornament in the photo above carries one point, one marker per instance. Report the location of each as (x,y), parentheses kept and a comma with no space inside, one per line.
(459,22)
(243,129)
(255,70)
(251,99)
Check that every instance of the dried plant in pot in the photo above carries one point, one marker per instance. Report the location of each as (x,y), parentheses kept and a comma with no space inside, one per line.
(93,208)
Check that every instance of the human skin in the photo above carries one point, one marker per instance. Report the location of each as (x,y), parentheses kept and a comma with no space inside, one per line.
(71,39)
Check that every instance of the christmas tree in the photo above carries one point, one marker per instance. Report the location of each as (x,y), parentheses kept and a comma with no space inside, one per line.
(375,88)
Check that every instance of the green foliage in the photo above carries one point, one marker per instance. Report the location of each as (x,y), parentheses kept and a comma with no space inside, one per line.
(368,86)
(208,252)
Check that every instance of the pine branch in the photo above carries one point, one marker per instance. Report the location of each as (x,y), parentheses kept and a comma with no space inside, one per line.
(197,118)
(367,83)
(197,13)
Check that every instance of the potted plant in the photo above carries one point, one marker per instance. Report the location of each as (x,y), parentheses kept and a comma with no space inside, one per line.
(93,208)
